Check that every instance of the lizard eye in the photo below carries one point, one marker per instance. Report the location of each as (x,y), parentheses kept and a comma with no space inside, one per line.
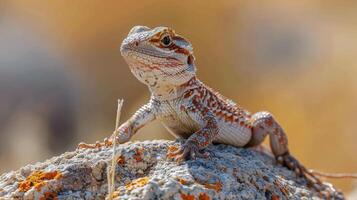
(166,41)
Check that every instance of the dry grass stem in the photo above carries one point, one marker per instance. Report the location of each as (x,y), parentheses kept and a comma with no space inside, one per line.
(111,169)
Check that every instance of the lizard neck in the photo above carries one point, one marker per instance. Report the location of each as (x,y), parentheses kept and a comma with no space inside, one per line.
(169,92)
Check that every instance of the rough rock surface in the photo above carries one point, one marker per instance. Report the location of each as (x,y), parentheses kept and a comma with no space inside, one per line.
(145,172)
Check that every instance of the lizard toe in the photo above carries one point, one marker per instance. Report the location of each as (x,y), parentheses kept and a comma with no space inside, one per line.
(187,151)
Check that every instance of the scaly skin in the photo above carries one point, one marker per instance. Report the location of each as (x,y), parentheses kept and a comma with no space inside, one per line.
(164,61)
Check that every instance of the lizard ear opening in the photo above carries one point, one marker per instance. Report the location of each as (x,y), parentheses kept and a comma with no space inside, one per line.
(190,59)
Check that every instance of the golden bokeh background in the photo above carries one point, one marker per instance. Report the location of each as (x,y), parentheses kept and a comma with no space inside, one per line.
(61,71)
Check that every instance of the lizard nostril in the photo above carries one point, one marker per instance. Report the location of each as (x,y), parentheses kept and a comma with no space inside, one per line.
(136,44)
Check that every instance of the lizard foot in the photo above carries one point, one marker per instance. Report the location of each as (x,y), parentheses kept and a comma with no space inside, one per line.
(187,151)
(124,136)
(313,181)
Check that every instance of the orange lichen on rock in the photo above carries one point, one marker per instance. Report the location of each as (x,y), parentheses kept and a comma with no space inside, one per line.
(204,196)
(121,160)
(37,179)
(182,181)
(187,196)
(137,155)
(282,188)
(140,182)
(49,196)
(170,150)
(216,186)
(274,197)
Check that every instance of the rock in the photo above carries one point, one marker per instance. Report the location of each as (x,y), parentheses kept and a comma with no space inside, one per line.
(145,172)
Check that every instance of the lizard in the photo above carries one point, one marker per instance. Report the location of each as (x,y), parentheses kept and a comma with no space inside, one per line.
(164,61)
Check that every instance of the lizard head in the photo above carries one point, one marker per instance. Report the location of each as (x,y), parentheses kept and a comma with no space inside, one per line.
(158,56)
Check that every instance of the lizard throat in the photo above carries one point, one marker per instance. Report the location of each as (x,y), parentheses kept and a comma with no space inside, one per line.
(170,91)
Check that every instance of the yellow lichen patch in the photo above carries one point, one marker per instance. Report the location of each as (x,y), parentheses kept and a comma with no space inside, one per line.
(216,186)
(49,196)
(37,179)
(204,196)
(140,182)
(116,194)
(121,160)
(38,186)
(187,196)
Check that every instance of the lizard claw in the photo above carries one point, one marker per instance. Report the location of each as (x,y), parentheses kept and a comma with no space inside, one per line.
(187,151)
(291,163)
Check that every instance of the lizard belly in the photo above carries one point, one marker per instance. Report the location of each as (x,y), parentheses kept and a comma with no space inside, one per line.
(179,124)
(182,127)
(233,134)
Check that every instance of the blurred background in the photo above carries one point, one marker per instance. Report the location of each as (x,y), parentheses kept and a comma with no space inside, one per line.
(61,71)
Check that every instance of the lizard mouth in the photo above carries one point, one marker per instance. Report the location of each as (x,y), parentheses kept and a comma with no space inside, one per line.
(125,50)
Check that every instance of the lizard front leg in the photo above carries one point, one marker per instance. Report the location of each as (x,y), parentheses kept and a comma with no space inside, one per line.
(200,139)
(263,124)
(141,117)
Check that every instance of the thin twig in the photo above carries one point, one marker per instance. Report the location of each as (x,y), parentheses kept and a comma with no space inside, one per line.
(111,170)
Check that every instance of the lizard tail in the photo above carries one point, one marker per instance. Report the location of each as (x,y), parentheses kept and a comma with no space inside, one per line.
(334,175)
